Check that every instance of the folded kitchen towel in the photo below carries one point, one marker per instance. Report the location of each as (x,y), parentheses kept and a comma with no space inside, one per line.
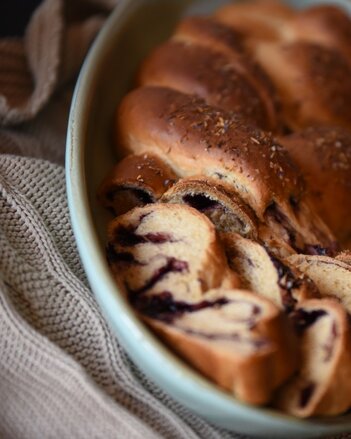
(63,373)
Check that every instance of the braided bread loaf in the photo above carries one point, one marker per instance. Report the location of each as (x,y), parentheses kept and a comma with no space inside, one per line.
(205,58)
(135,181)
(313,82)
(233,181)
(323,153)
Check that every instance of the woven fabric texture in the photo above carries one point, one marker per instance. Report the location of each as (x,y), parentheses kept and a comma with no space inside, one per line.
(63,373)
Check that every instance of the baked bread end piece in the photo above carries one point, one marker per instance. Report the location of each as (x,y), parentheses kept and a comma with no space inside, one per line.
(237,339)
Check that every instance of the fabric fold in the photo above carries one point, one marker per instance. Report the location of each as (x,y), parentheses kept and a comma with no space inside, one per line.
(63,373)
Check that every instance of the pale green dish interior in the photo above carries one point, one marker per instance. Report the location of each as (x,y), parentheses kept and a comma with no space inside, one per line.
(136,27)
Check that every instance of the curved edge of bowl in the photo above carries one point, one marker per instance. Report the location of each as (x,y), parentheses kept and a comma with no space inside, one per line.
(162,366)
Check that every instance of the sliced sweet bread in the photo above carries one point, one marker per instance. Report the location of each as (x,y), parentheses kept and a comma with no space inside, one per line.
(265,274)
(167,247)
(236,338)
(135,181)
(331,276)
(323,384)
(198,139)
(218,202)
(206,58)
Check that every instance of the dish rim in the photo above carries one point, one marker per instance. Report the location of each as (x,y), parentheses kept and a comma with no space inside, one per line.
(128,327)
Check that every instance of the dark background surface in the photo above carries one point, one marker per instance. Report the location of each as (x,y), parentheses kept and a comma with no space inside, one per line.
(14,16)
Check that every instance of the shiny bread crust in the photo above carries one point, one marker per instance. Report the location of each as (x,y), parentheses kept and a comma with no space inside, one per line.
(206,58)
(323,153)
(136,180)
(195,138)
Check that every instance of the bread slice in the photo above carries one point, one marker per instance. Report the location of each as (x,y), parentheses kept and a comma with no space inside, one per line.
(167,248)
(175,273)
(136,180)
(331,276)
(219,203)
(323,384)
(236,338)
(266,274)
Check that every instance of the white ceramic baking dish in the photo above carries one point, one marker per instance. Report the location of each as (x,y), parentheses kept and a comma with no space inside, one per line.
(132,30)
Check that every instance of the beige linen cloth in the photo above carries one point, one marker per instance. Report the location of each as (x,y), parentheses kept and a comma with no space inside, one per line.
(63,373)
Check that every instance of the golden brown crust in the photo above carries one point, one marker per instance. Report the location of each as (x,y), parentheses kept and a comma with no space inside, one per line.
(208,32)
(218,37)
(229,82)
(327,25)
(312,80)
(260,19)
(324,155)
(221,204)
(134,181)
(196,138)
(323,385)
(251,374)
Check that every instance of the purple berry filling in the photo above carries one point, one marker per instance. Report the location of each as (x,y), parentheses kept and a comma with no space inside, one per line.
(318,250)
(114,257)
(306,394)
(276,215)
(172,265)
(126,237)
(163,307)
(303,319)
(158,238)
(328,347)
(287,281)
(201,202)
